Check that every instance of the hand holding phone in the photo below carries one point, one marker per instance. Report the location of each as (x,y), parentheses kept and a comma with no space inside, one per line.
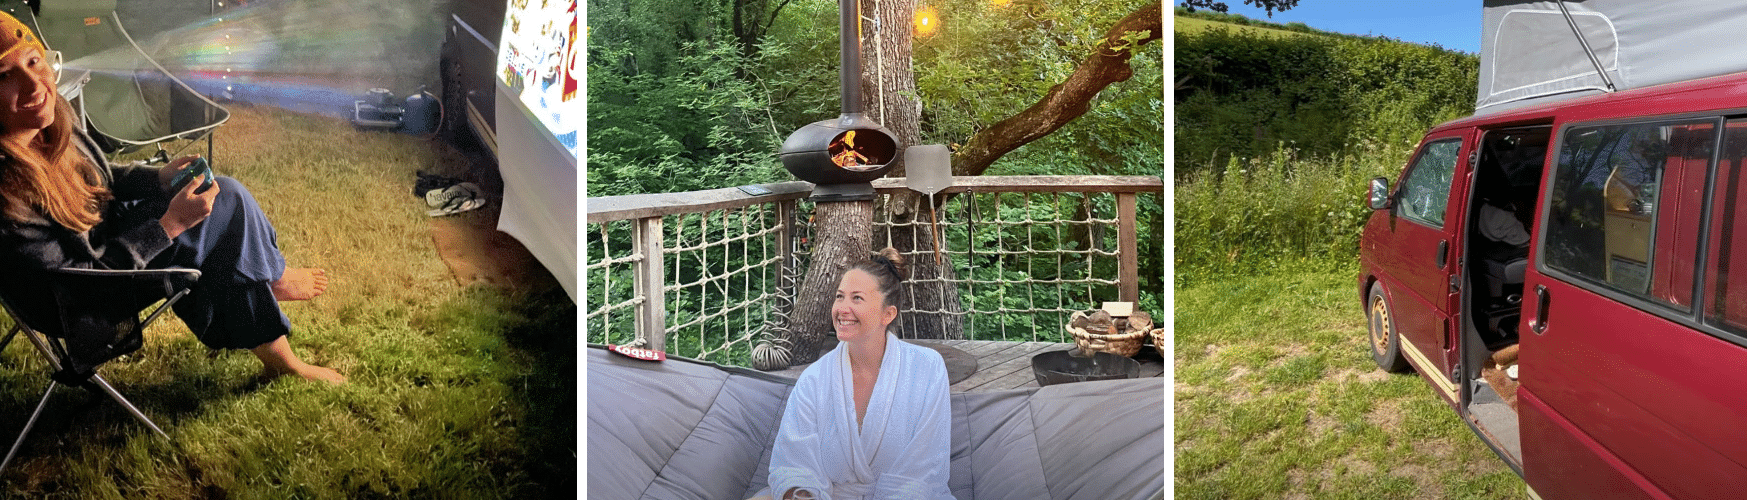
(196,168)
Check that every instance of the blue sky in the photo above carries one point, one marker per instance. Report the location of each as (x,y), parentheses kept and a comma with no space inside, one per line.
(1452,24)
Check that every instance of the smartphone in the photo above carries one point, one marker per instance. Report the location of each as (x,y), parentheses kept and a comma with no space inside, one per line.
(195,169)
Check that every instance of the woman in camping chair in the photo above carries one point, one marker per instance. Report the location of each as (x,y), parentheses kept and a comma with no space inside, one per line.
(871,419)
(62,205)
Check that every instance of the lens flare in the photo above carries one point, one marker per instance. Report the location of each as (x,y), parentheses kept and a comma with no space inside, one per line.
(314,56)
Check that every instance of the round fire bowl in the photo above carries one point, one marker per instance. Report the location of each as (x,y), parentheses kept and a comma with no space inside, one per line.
(1061,367)
(807,152)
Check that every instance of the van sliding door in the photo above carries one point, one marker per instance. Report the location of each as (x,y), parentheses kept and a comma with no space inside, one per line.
(1624,393)
(1423,245)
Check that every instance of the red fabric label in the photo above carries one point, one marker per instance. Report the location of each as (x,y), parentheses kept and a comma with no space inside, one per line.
(638,353)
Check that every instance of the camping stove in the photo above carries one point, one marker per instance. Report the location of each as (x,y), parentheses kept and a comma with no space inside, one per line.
(380,110)
(842,156)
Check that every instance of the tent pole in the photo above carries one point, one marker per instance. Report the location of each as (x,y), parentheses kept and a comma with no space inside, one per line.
(1599,70)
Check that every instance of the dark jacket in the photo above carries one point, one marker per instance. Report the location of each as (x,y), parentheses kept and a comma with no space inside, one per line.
(128,237)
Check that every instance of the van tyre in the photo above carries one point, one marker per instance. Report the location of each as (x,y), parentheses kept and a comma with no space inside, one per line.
(1384,341)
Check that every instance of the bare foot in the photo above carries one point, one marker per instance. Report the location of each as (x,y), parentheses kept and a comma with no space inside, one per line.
(300,284)
(307,372)
(277,359)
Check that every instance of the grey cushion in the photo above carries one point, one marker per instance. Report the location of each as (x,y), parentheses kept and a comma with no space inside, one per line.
(682,429)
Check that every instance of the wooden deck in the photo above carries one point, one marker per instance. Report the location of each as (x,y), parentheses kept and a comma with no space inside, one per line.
(1002,365)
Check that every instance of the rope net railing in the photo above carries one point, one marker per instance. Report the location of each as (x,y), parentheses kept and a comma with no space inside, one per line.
(1009,266)
(1020,263)
(609,267)
(718,281)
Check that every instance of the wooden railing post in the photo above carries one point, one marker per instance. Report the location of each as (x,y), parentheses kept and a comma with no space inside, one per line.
(785,215)
(652,312)
(1128,269)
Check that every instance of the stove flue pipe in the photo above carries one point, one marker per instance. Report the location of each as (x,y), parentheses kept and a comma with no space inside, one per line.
(808,152)
(849,41)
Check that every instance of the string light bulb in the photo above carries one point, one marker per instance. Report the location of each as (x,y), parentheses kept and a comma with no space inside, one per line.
(927,21)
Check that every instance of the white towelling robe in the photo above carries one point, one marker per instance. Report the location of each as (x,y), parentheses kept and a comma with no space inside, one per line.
(903,447)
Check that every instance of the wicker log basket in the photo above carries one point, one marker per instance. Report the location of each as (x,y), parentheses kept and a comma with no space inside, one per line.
(1096,332)
(1159,340)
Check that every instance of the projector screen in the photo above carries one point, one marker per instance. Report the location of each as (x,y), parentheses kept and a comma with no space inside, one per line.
(537,119)
(537,61)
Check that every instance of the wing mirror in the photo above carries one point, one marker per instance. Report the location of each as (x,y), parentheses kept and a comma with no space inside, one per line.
(1379,198)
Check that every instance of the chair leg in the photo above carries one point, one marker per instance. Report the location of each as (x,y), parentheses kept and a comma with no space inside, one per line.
(42,346)
(113,394)
(28,424)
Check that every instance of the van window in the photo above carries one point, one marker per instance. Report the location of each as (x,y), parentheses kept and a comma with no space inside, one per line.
(1726,306)
(1425,193)
(1602,223)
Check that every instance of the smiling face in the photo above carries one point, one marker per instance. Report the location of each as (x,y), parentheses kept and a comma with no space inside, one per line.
(860,311)
(27,93)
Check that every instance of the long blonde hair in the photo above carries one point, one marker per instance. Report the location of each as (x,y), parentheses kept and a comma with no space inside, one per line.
(49,177)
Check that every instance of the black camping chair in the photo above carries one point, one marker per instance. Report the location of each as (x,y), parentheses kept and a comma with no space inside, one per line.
(85,318)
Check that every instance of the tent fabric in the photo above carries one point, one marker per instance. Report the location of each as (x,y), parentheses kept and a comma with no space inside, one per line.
(1530,54)
(127,97)
(684,429)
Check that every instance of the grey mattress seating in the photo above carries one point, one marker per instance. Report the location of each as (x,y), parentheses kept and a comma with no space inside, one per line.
(682,429)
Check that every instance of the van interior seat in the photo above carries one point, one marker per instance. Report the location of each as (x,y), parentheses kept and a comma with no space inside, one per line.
(1502,274)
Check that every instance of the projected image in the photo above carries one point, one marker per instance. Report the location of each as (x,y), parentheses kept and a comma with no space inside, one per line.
(537,60)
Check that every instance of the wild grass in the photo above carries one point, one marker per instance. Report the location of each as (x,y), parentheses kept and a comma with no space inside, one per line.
(1277,397)
(455,392)
(1256,214)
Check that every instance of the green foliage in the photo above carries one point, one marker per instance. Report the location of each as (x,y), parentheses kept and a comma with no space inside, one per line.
(1277,137)
(991,61)
(705,128)
(1242,95)
(1255,215)
(704,110)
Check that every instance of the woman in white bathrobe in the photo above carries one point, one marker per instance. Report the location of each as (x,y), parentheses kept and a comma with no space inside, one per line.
(871,419)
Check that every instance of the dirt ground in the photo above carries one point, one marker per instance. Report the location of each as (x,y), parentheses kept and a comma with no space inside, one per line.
(469,243)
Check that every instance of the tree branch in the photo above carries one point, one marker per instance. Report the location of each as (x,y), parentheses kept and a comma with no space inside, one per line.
(1068,100)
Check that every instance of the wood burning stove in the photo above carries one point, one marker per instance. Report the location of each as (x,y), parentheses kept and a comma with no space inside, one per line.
(842,156)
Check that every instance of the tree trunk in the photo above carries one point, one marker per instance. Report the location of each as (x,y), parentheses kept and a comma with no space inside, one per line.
(888,89)
(843,235)
(888,84)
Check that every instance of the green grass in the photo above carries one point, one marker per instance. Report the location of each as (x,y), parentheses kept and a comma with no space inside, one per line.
(1277,397)
(455,392)
(1191,25)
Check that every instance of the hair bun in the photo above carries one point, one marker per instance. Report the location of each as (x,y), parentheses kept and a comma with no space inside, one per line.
(891,258)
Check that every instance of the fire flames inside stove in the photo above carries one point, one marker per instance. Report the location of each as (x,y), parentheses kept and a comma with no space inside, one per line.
(845,153)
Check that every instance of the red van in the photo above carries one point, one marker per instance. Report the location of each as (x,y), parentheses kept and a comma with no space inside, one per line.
(1563,275)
